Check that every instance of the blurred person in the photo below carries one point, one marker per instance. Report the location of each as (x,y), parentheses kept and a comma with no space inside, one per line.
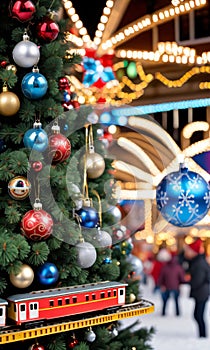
(162,257)
(199,271)
(172,275)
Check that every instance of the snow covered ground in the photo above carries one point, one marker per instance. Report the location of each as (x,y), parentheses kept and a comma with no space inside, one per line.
(172,332)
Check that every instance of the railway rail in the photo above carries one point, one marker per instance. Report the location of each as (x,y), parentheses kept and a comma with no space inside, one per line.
(14,334)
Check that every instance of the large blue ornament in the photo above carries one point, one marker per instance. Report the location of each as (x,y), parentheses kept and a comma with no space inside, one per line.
(47,274)
(89,217)
(183,197)
(36,138)
(34,85)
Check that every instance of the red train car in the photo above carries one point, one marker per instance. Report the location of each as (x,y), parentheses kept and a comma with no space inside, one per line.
(62,302)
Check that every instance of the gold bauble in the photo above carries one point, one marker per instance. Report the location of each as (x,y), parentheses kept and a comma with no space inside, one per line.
(9,103)
(24,278)
(19,187)
(95,165)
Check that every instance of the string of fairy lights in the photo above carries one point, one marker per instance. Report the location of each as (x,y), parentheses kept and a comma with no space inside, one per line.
(125,91)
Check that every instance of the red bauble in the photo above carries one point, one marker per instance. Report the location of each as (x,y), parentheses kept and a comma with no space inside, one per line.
(60,148)
(73,343)
(23,10)
(37,347)
(37,166)
(37,225)
(47,30)
(64,83)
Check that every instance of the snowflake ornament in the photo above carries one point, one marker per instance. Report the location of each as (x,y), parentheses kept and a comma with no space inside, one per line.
(183,197)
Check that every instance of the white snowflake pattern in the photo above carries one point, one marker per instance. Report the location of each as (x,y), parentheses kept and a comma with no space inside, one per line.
(162,198)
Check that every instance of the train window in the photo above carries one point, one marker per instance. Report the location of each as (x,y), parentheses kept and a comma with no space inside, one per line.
(1,311)
(51,302)
(74,299)
(59,302)
(67,300)
(93,297)
(31,307)
(109,294)
(121,291)
(22,307)
(15,309)
(102,295)
(87,297)
(115,293)
(35,306)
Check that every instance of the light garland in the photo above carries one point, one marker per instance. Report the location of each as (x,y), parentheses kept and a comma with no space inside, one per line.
(149,21)
(167,52)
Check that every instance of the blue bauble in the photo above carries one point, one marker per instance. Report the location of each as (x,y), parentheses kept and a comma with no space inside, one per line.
(36,138)
(89,217)
(2,146)
(47,274)
(183,197)
(34,85)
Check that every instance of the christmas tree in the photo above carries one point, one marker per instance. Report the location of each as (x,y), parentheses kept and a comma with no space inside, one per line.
(56,223)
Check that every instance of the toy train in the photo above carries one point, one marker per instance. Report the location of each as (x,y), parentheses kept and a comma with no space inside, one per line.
(40,306)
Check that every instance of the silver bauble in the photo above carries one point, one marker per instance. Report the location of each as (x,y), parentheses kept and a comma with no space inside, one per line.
(102,239)
(136,264)
(24,278)
(90,336)
(26,54)
(86,254)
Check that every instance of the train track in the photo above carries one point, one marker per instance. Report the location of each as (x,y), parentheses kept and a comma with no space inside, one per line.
(10,335)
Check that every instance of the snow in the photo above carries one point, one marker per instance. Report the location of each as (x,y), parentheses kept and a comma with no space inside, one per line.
(173,332)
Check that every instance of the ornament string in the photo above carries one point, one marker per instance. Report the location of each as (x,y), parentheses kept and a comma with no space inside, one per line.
(78,219)
(85,184)
(99,206)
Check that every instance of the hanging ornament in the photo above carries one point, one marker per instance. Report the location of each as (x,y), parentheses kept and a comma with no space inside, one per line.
(19,187)
(73,342)
(37,166)
(113,331)
(75,194)
(22,10)
(132,297)
(90,335)
(47,29)
(34,85)
(183,197)
(24,278)
(127,246)
(64,83)
(114,213)
(36,346)
(95,164)
(47,274)
(136,265)
(86,254)
(89,217)
(120,233)
(37,224)
(12,68)
(107,260)
(9,102)
(36,138)
(26,53)
(102,239)
(59,146)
